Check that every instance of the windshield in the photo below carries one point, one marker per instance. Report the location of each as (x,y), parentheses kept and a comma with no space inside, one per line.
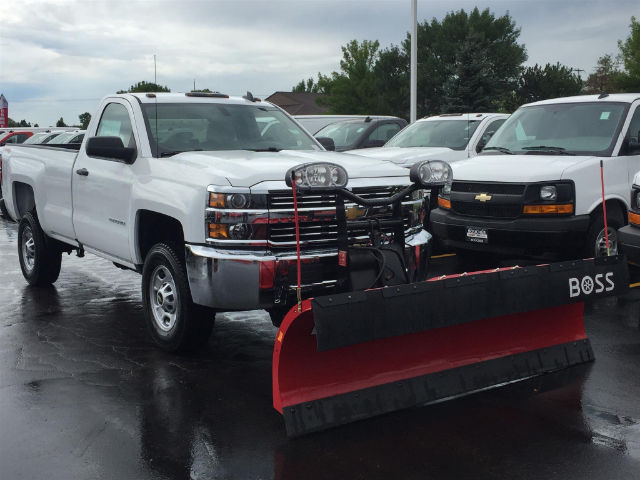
(214,126)
(36,138)
(344,134)
(454,134)
(62,138)
(569,128)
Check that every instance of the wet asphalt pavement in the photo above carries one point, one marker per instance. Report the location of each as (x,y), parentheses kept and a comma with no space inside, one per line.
(84,394)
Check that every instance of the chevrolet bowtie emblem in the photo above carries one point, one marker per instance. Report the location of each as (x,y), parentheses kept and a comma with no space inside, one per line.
(483,197)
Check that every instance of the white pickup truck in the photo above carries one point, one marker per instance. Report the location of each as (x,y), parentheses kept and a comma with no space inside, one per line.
(189,190)
(449,137)
(536,187)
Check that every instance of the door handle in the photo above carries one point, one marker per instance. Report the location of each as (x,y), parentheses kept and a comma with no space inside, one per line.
(83,171)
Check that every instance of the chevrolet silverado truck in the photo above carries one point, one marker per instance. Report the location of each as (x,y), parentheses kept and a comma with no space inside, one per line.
(449,137)
(536,188)
(189,190)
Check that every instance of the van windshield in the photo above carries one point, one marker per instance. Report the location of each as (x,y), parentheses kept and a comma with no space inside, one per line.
(184,127)
(453,134)
(560,128)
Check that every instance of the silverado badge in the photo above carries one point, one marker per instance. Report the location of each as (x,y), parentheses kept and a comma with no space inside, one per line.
(483,197)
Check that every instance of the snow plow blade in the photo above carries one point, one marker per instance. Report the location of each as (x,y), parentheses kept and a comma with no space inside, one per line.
(355,355)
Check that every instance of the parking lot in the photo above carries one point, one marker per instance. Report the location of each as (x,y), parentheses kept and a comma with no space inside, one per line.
(85,394)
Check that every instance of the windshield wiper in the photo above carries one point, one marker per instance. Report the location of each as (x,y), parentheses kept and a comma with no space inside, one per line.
(268,149)
(500,149)
(548,148)
(175,152)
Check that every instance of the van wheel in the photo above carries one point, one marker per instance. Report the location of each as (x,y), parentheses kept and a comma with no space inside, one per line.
(176,323)
(595,244)
(40,257)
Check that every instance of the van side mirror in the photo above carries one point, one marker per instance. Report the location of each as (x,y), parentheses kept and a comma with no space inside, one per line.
(111,148)
(327,143)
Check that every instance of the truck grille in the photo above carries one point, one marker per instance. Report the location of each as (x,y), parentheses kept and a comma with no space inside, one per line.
(318,227)
(506,201)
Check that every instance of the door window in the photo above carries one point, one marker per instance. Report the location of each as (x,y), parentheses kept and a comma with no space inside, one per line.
(115,122)
(634,127)
(385,131)
(488,133)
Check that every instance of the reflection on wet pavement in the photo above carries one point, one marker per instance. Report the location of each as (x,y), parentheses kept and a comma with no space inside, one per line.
(84,393)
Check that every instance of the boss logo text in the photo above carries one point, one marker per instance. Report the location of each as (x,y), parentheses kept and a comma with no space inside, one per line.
(587,285)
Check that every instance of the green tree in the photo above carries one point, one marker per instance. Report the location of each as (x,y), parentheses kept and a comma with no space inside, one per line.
(539,83)
(354,89)
(606,76)
(204,90)
(629,80)
(464,55)
(13,124)
(309,86)
(145,87)
(60,123)
(84,118)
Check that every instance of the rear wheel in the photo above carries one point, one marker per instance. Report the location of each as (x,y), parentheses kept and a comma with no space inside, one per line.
(596,242)
(176,323)
(40,257)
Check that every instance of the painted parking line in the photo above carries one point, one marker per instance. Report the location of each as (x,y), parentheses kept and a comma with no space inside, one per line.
(444,255)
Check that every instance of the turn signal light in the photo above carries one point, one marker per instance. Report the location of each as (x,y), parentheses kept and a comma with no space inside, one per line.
(444,203)
(218,230)
(634,218)
(216,200)
(548,209)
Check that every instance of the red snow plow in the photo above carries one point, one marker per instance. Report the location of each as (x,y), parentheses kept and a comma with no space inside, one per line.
(385,342)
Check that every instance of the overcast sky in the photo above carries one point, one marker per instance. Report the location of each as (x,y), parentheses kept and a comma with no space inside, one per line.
(58,58)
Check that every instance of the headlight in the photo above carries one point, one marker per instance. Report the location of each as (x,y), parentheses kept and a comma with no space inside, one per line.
(229,200)
(548,193)
(317,176)
(431,173)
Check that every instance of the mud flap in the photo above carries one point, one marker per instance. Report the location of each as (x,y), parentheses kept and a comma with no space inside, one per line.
(351,356)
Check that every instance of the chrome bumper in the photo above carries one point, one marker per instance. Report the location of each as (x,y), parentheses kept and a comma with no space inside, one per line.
(230,279)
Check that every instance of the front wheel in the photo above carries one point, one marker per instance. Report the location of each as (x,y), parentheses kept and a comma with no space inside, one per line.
(40,257)
(596,242)
(176,323)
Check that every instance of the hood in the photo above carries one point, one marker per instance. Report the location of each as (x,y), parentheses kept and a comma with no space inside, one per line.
(407,156)
(515,168)
(243,168)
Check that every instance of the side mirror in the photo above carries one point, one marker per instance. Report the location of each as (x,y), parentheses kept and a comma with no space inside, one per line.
(327,143)
(111,148)
(373,143)
(633,147)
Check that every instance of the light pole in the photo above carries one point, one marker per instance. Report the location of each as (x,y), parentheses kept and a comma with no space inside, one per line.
(414,61)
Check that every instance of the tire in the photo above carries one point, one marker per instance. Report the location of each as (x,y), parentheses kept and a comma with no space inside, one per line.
(595,245)
(40,257)
(175,323)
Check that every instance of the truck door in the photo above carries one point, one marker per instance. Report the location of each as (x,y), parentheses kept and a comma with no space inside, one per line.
(102,188)
(632,136)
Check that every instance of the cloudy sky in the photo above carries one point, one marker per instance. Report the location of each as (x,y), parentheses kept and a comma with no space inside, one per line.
(58,58)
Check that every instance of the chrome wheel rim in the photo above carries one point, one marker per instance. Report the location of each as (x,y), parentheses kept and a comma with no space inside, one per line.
(601,243)
(28,249)
(164,298)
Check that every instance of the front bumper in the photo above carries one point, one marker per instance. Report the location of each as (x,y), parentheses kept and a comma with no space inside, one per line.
(245,280)
(520,236)
(629,240)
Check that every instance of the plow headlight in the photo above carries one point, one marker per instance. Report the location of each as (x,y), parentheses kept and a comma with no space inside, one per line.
(317,176)
(431,173)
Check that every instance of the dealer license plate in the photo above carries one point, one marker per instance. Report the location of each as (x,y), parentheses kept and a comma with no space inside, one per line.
(477,235)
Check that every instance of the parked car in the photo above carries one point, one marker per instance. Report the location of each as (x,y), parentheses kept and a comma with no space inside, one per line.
(361,133)
(314,123)
(42,137)
(448,137)
(68,138)
(186,190)
(14,137)
(536,189)
(629,235)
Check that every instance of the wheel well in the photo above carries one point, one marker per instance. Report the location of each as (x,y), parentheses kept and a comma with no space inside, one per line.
(612,205)
(153,227)
(24,198)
